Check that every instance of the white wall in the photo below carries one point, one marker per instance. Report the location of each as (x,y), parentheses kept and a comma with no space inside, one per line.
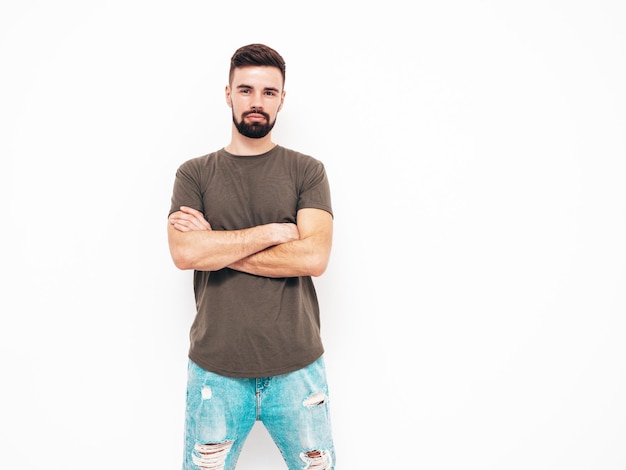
(474,308)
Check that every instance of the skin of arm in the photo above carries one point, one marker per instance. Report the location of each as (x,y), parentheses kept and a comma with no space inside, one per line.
(194,245)
(272,250)
(306,256)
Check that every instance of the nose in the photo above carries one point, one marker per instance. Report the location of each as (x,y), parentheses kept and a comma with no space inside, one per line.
(257,101)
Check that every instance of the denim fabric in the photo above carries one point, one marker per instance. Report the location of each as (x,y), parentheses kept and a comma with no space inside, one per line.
(293,407)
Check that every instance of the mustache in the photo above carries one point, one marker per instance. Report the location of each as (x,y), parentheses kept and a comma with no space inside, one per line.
(254,111)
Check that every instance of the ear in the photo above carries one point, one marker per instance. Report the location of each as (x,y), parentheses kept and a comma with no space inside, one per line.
(229,101)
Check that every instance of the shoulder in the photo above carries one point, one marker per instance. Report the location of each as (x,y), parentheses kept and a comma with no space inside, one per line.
(197,170)
(197,162)
(198,166)
(299,158)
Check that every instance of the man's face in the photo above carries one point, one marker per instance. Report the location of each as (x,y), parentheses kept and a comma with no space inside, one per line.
(255,95)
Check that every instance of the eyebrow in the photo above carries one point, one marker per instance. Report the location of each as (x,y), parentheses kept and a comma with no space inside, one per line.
(269,88)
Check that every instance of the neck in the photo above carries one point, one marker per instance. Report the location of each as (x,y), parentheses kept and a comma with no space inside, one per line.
(240,145)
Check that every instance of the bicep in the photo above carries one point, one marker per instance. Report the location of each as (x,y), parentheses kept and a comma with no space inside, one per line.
(316,224)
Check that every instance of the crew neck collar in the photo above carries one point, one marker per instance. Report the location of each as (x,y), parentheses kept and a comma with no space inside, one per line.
(259,155)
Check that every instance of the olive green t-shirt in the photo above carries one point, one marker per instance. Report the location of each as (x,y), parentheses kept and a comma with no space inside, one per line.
(247,325)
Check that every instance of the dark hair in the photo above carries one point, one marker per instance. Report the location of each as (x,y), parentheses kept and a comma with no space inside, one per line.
(256,54)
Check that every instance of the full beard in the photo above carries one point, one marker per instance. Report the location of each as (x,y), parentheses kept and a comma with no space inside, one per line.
(255,130)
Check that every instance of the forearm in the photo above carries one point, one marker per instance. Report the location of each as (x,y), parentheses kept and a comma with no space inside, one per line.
(308,257)
(210,250)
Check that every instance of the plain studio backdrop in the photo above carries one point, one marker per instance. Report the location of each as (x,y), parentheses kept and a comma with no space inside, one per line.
(474,310)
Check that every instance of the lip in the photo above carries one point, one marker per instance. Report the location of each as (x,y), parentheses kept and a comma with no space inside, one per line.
(255,117)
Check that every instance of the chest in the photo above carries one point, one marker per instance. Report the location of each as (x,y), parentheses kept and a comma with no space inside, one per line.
(240,196)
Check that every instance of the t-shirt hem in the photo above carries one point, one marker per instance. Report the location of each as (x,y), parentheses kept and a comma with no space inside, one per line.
(318,206)
(254,374)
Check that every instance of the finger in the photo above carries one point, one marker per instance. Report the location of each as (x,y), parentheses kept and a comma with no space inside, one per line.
(182,222)
(177,219)
(183,218)
(191,210)
(180,227)
(196,217)
(189,223)
(198,225)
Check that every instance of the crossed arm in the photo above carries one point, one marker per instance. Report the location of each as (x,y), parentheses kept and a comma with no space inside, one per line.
(271,250)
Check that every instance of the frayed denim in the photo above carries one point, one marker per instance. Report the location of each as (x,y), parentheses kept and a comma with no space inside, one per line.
(293,407)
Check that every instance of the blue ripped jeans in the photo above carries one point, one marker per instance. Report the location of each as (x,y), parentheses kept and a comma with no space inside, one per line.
(293,407)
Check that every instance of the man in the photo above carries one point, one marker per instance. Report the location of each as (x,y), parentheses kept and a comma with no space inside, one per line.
(254,221)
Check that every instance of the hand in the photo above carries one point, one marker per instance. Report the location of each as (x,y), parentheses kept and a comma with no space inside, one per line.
(287,232)
(189,220)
